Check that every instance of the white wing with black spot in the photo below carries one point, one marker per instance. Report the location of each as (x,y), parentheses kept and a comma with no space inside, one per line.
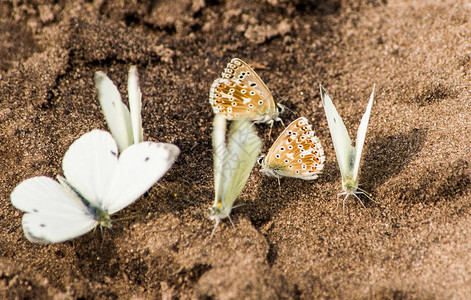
(51,214)
(90,165)
(139,167)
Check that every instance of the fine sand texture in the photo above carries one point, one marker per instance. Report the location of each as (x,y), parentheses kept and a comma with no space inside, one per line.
(291,241)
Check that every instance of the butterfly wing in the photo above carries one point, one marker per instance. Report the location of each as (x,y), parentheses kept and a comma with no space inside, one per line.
(297,153)
(340,138)
(220,153)
(238,71)
(90,164)
(116,113)
(135,104)
(240,93)
(52,214)
(139,167)
(361,135)
(243,149)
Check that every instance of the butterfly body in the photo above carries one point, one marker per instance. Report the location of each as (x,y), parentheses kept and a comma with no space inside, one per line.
(95,212)
(219,211)
(348,156)
(296,153)
(240,93)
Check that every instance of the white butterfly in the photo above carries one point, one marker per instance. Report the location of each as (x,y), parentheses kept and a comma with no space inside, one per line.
(97,184)
(232,163)
(124,124)
(348,157)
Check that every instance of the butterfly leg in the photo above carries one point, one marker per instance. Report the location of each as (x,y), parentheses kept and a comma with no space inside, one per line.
(215,227)
(338,197)
(279,183)
(282,123)
(231,221)
(358,198)
(269,131)
(346,196)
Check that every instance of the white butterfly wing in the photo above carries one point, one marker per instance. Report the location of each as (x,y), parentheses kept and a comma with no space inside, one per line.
(90,164)
(116,113)
(361,135)
(52,215)
(340,138)
(140,166)
(135,104)
(219,155)
(243,149)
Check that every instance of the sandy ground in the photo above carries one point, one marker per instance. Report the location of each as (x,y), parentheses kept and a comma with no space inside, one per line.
(293,242)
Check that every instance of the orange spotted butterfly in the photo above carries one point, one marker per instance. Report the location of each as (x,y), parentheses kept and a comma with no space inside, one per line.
(297,153)
(240,93)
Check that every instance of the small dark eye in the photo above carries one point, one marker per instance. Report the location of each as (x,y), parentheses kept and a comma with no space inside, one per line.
(260,160)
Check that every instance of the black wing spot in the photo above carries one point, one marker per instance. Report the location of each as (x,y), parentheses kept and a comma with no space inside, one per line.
(35,210)
(113,153)
(335,121)
(147,159)
(42,225)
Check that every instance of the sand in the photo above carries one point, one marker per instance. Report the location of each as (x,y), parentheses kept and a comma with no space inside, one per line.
(291,241)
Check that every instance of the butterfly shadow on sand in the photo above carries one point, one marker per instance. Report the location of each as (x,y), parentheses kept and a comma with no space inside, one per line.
(387,156)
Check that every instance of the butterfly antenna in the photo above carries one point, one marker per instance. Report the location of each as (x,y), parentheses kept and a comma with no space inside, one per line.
(329,189)
(294,113)
(368,195)
(238,205)
(126,218)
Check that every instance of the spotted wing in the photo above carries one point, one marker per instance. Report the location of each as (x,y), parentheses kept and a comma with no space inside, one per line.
(90,164)
(240,72)
(297,152)
(240,93)
(52,215)
(238,101)
(139,167)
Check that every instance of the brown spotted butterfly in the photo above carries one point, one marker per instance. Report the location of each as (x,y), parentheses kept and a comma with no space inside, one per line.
(297,153)
(240,93)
